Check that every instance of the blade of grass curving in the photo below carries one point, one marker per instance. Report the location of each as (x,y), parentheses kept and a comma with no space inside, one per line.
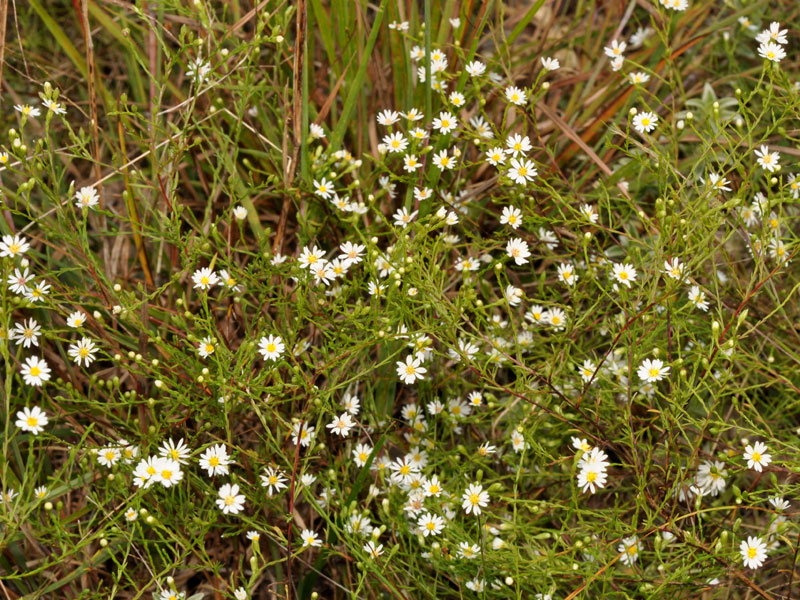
(69,49)
(355,89)
(524,22)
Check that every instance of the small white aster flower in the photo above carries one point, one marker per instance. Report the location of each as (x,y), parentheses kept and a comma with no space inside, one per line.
(230,501)
(310,539)
(517,249)
(86,197)
(13,246)
(410,370)
(767,160)
(516,96)
(756,456)
(550,64)
(645,122)
(205,278)
(511,216)
(624,274)
(35,371)
(32,420)
(82,352)
(271,347)
(474,499)
(629,548)
(753,551)
(475,69)
(652,370)
(342,424)
(771,51)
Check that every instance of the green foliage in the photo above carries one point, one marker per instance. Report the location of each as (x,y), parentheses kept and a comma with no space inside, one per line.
(605,390)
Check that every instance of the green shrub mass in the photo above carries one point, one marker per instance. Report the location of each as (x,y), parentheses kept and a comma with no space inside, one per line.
(399,299)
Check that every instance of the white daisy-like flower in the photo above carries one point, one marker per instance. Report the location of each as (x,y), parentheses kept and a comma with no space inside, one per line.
(215,460)
(474,499)
(86,197)
(274,480)
(230,501)
(767,160)
(753,551)
(26,333)
(35,371)
(629,548)
(430,524)
(82,352)
(271,347)
(410,370)
(624,273)
(651,371)
(521,171)
(756,456)
(205,278)
(645,122)
(342,424)
(550,64)
(13,246)
(310,539)
(32,420)
(515,95)
(771,51)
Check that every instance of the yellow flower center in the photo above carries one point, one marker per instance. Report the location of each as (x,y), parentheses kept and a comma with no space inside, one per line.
(653,372)
(756,456)
(751,552)
(35,371)
(591,476)
(213,461)
(33,421)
